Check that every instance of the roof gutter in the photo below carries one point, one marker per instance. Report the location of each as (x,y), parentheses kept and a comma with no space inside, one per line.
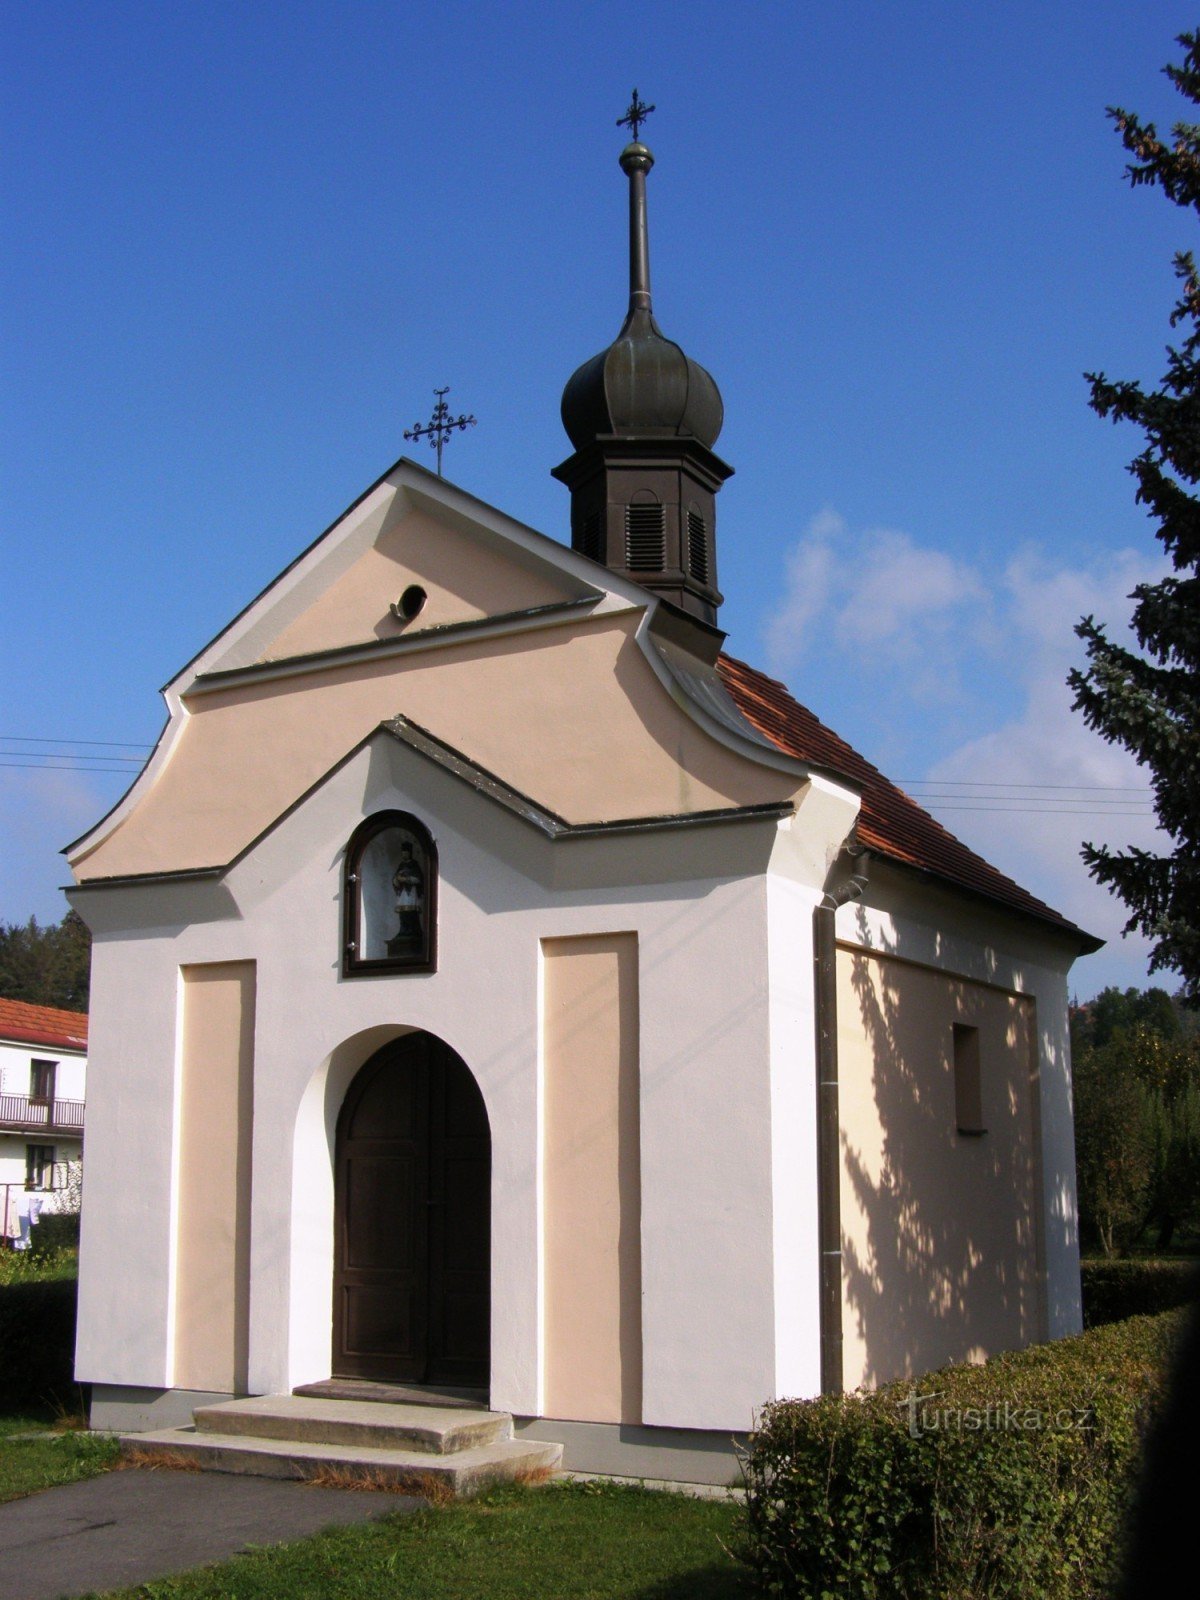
(829,1165)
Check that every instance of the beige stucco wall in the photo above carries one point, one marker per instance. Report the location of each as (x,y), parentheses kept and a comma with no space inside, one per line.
(463,580)
(940,1231)
(544,710)
(591,1185)
(212,1260)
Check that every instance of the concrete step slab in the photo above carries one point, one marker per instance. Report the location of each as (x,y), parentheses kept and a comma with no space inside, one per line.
(363,1423)
(462,1472)
(394,1394)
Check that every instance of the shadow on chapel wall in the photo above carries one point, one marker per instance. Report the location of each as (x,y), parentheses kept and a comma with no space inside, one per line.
(941,1246)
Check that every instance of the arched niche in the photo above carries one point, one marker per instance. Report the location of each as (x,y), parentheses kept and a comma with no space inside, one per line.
(389,896)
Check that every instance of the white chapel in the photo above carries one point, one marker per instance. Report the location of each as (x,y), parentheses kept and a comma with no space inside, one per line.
(503,997)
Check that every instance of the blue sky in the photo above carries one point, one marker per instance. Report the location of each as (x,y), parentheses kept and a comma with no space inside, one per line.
(243,243)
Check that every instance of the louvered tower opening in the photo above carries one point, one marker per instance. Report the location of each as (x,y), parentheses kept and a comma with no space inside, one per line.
(591,536)
(697,546)
(645,537)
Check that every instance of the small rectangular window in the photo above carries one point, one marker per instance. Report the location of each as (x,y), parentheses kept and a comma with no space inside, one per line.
(39,1166)
(968,1086)
(41,1081)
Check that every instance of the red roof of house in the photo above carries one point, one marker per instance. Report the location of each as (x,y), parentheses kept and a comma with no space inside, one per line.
(45,1025)
(889,822)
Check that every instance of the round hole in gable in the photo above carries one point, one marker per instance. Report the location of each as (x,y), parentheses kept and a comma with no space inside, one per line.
(410,603)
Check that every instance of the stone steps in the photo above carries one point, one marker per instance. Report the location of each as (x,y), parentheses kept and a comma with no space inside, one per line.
(301,1436)
(367,1423)
(395,1393)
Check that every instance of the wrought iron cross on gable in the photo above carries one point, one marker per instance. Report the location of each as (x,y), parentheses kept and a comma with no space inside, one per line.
(635,116)
(439,427)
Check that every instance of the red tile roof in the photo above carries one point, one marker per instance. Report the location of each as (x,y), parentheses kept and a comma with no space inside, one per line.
(49,1026)
(890,822)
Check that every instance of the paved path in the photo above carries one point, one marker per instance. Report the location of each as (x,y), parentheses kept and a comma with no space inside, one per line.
(131,1527)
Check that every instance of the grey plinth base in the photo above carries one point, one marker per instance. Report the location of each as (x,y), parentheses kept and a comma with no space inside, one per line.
(120,1408)
(627,1450)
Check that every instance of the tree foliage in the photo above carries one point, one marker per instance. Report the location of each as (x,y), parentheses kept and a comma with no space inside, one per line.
(1137,1119)
(1149,700)
(1113,1151)
(1118,1011)
(46,966)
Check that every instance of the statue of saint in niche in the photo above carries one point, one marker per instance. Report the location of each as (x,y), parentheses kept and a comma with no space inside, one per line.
(408,884)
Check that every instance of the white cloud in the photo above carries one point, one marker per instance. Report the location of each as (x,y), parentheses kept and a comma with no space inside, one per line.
(960,674)
(811,568)
(875,595)
(901,591)
(41,810)
(1088,789)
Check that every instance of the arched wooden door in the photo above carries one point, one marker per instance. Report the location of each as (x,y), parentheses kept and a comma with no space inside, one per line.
(412,1220)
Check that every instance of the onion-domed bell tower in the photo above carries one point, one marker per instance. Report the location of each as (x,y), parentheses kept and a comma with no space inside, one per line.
(643,418)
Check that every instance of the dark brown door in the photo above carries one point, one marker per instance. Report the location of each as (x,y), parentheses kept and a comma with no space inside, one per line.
(412,1220)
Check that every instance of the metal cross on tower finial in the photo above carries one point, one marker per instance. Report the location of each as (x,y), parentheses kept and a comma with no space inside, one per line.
(635,116)
(439,427)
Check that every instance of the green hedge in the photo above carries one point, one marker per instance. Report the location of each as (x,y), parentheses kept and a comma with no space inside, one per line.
(37,1343)
(1013,1481)
(1114,1290)
(54,1232)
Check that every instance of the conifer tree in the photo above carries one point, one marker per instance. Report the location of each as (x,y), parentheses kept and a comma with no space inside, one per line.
(46,966)
(1149,701)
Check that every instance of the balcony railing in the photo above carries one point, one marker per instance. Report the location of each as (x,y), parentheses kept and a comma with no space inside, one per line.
(19,1111)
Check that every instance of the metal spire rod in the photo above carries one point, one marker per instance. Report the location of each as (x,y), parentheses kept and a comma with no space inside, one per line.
(439,427)
(636,161)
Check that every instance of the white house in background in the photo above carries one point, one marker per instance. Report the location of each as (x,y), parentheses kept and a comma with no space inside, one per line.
(43,1077)
(498,986)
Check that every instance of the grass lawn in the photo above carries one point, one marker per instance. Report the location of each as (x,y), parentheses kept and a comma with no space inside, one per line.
(585,1541)
(23,1267)
(27,1465)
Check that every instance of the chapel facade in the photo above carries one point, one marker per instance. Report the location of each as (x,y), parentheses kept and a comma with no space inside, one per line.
(504,991)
